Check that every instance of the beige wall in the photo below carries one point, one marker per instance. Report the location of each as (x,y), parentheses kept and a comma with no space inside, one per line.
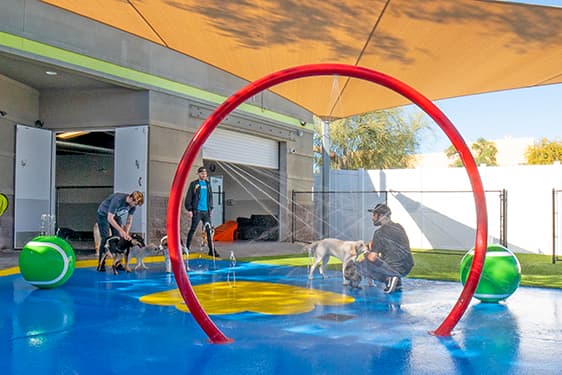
(172,123)
(93,108)
(21,105)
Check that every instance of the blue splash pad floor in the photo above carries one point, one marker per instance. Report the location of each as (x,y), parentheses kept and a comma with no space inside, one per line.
(95,324)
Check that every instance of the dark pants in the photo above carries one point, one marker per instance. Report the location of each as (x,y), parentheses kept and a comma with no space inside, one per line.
(205,218)
(104,228)
(378,270)
(105,233)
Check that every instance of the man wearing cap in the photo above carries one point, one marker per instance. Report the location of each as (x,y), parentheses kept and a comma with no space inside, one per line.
(112,211)
(199,204)
(390,257)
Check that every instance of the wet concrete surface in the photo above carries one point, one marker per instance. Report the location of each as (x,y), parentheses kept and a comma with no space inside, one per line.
(279,322)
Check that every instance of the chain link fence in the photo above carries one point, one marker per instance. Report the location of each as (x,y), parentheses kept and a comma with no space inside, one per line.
(432,219)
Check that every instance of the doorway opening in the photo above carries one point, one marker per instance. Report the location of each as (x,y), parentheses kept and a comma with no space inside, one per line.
(84,177)
(246,198)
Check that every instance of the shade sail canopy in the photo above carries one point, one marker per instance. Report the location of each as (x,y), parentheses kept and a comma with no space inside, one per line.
(442,48)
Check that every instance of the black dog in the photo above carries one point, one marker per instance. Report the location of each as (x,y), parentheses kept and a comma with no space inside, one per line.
(121,248)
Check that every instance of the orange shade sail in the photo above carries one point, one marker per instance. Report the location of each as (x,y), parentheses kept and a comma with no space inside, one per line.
(442,48)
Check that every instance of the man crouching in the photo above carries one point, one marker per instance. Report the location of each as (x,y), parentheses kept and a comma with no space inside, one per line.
(390,257)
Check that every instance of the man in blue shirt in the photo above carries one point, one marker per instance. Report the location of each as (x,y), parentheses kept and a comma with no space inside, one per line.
(115,217)
(199,204)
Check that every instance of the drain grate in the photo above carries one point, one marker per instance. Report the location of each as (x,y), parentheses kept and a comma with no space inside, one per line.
(336,317)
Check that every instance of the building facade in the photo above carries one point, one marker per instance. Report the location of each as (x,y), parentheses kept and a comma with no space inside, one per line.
(87,109)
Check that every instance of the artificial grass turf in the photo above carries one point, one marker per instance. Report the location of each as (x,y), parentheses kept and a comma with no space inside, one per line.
(536,269)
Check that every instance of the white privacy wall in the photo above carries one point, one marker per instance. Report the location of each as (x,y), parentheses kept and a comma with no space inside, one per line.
(437,208)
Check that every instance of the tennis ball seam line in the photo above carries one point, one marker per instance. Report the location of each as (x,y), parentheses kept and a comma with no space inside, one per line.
(65,259)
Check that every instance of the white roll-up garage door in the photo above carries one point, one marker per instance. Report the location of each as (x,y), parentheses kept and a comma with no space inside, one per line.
(242,148)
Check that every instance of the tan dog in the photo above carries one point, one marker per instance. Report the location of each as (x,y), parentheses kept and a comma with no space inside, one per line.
(204,236)
(207,236)
(97,238)
(345,251)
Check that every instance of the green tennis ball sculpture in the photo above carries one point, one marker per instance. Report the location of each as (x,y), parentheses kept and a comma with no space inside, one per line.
(500,277)
(47,261)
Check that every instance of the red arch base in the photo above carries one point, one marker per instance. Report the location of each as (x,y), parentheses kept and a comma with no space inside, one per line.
(205,130)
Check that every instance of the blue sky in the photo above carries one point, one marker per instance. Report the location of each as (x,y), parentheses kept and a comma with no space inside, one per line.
(531,112)
(551,3)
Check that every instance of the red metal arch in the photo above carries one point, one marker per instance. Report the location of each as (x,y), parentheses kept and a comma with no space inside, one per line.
(205,130)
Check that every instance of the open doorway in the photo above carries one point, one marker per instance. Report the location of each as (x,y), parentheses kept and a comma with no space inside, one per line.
(65,175)
(248,199)
(84,177)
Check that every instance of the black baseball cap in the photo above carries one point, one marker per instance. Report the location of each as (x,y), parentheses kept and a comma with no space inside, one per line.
(201,169)
(381,209)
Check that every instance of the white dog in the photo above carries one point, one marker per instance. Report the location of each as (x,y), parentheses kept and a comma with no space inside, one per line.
(164,248)
(345,251)
(139,252)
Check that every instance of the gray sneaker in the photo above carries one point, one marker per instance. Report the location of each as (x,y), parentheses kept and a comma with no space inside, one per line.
(391,284)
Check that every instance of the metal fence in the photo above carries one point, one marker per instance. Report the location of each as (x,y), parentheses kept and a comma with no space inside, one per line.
(432,219)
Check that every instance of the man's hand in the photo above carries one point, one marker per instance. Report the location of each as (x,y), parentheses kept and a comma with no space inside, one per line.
(125,235)
(371,256)
(190,214)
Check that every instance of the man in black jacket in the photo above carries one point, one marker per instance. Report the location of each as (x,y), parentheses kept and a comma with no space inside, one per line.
(199,204)
(390,257)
